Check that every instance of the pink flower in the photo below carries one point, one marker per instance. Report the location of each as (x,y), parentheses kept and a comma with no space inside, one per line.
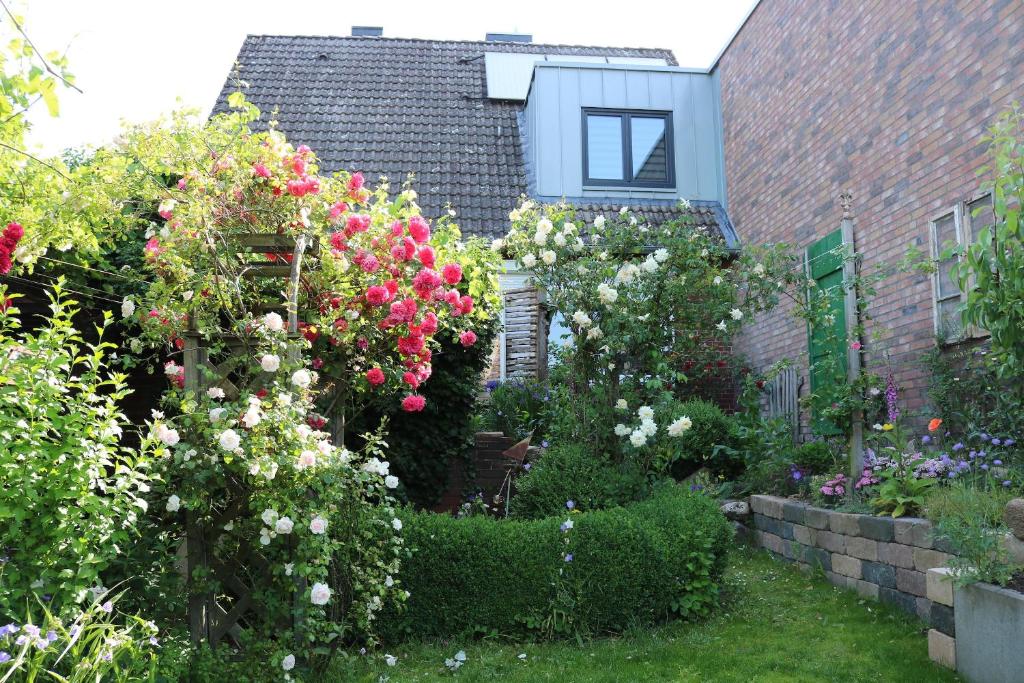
(419,229)
(855,346)
(375,376)
(336,211)
(425,282)
(377,295)
(261,170)
(318,363)
(410,379)
(427,256)
(467,338)
(466,304)
(413,403)
(355,183)
(357,223)
(152,249)
(411,345)
(452,273)
(370,264)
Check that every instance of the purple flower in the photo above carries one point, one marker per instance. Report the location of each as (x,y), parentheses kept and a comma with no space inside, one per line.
(797,475)
(153,641)
(569,504)
(8,630)
(31,630)
(984,465)
(926,439)
(544,444)
(984,436)
(1007,482)
(51,636)
(526,466)
(890,398)
(1009,442)
(996,442)
(108,656)
(997,462)
(958,446)
(568,557)
(41,644)
(951,474)
(107,607)
(4,657)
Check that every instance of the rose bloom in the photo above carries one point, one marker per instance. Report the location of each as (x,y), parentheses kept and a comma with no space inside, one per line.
(173,503)
(468,338)
(284,525)
(375,376)
(270,363)
(273,322)
(288,663)
(318,525)
(391,481)
(320,594)
(452,273)
(229,440)
(215,392)
(307,459)
(302,378)
(413,403)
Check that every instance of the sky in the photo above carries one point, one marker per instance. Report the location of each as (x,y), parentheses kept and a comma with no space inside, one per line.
(138,59)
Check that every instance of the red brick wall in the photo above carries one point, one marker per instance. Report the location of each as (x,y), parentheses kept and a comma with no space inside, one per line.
(887,98)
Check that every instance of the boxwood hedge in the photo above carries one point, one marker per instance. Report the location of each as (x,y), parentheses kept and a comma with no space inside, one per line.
(637,565)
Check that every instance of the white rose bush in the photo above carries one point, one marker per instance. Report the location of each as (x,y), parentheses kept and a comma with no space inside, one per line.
(652,311)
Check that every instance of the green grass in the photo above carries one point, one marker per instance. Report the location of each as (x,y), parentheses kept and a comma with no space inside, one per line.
(776,625)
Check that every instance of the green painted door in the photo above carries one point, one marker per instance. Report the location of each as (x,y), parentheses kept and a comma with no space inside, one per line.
(826,342)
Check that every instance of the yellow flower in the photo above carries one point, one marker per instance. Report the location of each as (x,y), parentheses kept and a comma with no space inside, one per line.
(887,427)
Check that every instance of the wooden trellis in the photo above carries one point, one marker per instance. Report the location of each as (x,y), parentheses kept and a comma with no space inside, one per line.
(214,617)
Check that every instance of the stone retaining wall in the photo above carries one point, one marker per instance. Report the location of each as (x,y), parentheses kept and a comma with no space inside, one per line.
(879,557)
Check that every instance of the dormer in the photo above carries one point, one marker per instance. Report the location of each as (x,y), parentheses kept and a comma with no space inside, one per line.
(609,128)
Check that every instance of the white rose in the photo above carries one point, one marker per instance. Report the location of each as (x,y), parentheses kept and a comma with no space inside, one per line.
(621,430)
(581,319)
(169,437)
(545,226)
(661,255)
(396,524)
(497,245)
(173,503)
(273,322)
(251,417)
(288,663)
(318,525)
(127,308)
(270,363)
(391,481)
(540,239)
(649,265)
(529,260)
(621,404)
(717,280)
(548,257)
(638,438)
(645,413)
(229,440)
(759,270)
(599,222)
(289,568)
(680,426)
(559,239)
(269,517)
(607,294)
(306,459)
(648,427)
(320,594)
(216,414)
(284,525)
(623,210)
(722,326)
(390,660)
(736,314)
(215,392)
(302,378)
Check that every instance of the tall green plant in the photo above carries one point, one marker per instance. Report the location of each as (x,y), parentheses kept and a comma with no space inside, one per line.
(991,269)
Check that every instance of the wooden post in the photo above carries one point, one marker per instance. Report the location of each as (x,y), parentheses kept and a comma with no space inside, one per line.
(853,359)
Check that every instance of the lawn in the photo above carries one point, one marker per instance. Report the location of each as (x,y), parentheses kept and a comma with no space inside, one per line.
(776,625)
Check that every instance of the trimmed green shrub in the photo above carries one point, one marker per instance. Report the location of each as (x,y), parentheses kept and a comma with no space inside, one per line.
(696,448)
(575,472)
(631,566)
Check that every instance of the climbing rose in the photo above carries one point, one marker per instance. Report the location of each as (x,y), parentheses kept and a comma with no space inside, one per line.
(419,229)
(375,376)
(377,295)
(320,594)
(467,338)
(229,440)
(302,378)
(173,503)
(288,663)
(273,322)
(452,273)
(425,282)
(270,363)
(413,403)
(318,525)
(426,256)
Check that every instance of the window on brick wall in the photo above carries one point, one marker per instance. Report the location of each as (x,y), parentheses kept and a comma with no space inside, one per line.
(957,226)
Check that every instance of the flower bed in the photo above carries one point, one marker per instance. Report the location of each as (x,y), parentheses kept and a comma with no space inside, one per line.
(592,572)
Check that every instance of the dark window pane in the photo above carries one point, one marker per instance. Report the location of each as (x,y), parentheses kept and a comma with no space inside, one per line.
(604,147)
(979,213)
(650,149)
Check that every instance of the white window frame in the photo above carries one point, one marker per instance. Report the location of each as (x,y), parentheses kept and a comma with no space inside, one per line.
(963,224)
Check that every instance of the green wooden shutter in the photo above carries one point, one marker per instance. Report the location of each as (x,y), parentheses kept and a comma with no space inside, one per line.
(826,342)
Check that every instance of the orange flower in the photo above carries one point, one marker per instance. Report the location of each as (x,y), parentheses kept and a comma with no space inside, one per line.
(934,424)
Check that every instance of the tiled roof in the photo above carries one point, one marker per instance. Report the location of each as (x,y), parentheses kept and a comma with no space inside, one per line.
(389,106)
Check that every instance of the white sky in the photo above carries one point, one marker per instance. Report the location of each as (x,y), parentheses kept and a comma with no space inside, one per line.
(135,59)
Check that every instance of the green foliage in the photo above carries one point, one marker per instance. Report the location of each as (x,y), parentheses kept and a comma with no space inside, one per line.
(901,492)
(970,519)
(991,269)
(71,494)
(631,566)
(90,647)
(696,446)
(967,388)
(517,407)
(575,472)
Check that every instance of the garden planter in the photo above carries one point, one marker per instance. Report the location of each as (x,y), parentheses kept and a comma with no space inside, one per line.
(989,624)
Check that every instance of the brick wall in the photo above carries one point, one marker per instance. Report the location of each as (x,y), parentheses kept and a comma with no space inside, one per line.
(889,99)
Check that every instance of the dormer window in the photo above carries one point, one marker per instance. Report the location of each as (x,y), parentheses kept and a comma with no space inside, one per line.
(627,148)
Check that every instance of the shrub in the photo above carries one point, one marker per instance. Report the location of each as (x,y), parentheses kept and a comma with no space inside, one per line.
(696,446)
(629,566)
(970,519)
(575,472)
(71,495)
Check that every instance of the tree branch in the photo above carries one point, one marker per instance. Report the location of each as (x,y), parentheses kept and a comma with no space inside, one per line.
(35,158)
(39,54)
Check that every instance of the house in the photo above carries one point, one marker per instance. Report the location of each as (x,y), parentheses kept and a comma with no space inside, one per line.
(480,123)
(890,101)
